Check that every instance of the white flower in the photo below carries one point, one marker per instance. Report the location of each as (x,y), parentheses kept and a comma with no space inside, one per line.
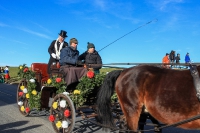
(20,103)
(65,124)
(66,93)
(25,90)
(62,103)
(32,80)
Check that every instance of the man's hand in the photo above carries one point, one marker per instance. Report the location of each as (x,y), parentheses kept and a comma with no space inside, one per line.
(79,63)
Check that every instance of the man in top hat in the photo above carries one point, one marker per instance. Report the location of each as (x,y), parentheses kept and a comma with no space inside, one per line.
(55,48)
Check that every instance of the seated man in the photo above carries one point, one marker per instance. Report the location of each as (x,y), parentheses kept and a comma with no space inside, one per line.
(92,58)
(69,63)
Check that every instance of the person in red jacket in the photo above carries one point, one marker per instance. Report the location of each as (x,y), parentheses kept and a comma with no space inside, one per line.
(166,60)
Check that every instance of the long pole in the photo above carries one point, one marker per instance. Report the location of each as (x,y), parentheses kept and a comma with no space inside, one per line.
(154,20)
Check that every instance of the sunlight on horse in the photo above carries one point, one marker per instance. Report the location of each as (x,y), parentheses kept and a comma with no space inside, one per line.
(169,95)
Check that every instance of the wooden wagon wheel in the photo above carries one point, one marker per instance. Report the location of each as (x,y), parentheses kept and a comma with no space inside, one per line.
(22,101)
(62,114)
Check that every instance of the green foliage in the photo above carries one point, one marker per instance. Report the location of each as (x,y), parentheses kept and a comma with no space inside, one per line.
(24,72)
(58,83)
(85,87)
(34,96)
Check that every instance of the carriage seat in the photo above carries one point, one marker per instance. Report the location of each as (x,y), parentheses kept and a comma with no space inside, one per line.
(40,70)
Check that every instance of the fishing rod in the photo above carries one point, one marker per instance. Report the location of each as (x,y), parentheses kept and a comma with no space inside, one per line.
(154,20)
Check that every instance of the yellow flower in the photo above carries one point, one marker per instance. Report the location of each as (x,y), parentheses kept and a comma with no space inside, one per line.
(55,105)
(22,87)
(58,124)
(27,95)
(34,92)
(77,92)
(20,67)
(48,81)
(22,108)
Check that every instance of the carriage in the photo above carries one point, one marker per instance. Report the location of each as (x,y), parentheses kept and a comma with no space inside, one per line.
(37,94)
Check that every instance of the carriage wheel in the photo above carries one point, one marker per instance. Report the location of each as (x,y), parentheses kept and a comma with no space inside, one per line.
(62,114)
(22,101)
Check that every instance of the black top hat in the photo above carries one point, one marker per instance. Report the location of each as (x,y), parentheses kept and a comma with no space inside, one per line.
(63,33)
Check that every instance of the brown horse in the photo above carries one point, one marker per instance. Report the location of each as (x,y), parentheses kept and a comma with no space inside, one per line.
(169,95)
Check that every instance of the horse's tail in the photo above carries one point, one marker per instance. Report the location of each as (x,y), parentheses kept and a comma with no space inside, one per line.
(104,98)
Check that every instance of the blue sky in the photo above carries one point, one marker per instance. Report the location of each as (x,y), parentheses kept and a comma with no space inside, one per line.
(27,27)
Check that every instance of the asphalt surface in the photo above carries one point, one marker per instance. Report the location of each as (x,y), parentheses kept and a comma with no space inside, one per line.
(12,121)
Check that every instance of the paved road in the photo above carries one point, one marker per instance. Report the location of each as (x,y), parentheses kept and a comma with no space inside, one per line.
(11,121)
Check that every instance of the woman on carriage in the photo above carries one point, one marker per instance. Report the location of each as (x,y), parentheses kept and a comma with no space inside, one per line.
(91,58)
(71,67)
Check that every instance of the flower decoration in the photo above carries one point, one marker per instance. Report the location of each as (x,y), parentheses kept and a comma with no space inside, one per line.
(27,109)
(34,92)
(27,96)
(66,93)
(67,113)
(32,80)
(58,80)
(65,124)
(20,103)
(49,81)
(55,105)
(62,103)
(90,74)
(86,86)
(58,124)
(51,118)
(22,108)
(22,87)
(25,69)
(20,94)
(25,90)
(77,92)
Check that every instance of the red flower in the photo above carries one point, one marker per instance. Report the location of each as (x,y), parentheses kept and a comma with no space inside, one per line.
(25,69)
(21,94)
(67,113)
(90,74)
(27,109)
(58,80)
(51,118)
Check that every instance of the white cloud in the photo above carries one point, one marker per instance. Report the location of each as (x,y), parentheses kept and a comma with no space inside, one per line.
(34,33)
(3,25)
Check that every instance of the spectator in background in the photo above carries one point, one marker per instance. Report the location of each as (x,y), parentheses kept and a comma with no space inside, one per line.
(7,76)
(165,61)
(91,58)
(55,48)
(178,58)
(187,60)
(172,57)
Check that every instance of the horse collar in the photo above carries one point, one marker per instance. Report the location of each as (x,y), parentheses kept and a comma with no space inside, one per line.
(195,74)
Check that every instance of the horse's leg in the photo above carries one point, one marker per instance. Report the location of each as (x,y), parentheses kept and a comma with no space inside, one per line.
(142,121)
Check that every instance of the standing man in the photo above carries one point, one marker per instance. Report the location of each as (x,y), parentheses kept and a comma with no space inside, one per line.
(187,59)
(55,48)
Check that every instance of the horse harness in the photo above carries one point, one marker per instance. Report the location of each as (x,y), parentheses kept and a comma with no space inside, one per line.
(195,74)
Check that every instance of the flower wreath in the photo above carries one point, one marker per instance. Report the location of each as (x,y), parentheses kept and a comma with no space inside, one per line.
(28,91)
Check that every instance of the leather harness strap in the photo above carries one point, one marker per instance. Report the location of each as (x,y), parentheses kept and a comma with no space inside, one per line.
(195,74)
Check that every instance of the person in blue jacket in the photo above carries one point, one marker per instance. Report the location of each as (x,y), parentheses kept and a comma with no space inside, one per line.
(71,67)
(187,59)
